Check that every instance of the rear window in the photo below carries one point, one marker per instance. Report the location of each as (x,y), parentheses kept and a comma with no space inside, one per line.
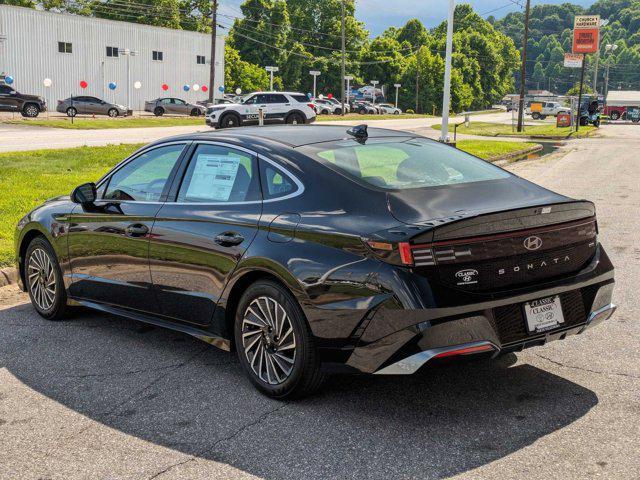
(403,163)
(300,98)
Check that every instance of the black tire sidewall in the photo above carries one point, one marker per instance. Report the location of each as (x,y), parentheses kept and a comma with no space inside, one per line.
(158,112)
(25,111)
(58,308)
(304,342)
(226,118)
(293,117)
(71,112)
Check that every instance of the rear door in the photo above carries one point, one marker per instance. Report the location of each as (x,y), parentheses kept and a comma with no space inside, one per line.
(8,99)
(278,107)
(198,239)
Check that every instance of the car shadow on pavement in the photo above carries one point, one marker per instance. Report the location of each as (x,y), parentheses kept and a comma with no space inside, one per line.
(171,390)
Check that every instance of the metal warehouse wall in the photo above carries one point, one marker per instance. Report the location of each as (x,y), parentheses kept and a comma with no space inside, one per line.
(30,54)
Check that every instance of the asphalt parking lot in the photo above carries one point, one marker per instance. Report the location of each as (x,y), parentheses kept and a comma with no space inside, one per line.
(99,397)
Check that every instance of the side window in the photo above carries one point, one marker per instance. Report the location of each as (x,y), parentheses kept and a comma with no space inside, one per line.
(276,183)
(262,98)
(219,174)
(6,89)
(177,101)
(251,100)
(143,179)
(276,98)
(166,101)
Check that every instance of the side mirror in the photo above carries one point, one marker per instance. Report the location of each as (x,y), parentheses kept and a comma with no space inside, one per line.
(85,193)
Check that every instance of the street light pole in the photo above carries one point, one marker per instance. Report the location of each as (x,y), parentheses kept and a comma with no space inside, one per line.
(373,93)
(212,66)
(397,85)
(348,78)
(609,48)
(523,68)
(446,97)
(603,23)
(271,70)
(315,74)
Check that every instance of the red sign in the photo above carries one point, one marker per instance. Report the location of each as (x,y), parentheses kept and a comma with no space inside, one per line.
(586,33)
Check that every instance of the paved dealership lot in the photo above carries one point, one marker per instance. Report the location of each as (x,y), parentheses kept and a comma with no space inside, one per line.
(99,397)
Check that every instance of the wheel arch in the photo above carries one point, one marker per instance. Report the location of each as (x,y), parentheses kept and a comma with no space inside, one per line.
(230,112)
(299,112)
(31,102)
(24,242)
(241,280)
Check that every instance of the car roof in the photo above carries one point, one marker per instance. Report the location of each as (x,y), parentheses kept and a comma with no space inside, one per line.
(289,135)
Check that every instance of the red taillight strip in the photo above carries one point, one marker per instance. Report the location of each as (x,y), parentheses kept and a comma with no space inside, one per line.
(465,351)
(406,257)
(485,238)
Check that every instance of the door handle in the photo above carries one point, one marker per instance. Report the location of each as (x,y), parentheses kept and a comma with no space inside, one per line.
(136,230)
(228,239)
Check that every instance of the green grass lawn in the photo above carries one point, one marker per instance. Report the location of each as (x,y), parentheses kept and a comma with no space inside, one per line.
(88,123)
(499,129)
(29,178)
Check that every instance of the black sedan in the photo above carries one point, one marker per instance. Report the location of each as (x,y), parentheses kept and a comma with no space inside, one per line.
(309,249)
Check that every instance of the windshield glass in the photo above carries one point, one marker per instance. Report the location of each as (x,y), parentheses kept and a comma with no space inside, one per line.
(403,162)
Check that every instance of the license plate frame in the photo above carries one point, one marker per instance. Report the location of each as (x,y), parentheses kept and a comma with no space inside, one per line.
(543,314)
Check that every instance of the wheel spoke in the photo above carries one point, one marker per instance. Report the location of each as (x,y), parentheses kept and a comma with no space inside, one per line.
(253,312)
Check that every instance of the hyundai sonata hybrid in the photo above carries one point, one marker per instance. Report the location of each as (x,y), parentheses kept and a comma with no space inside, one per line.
(309,249)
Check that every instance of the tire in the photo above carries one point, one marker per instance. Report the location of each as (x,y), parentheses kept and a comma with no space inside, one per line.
(396,112)
(195,112)
(542,117)
(230,120)
(158,111)
(30,110)
(295,119)
(362,111)
(41,263)
(535,115)
(295,371)
(325,112)
(71,112)
(596,123)
(614,115)
(635,120)
(583,121)
(113,113)
(337,111)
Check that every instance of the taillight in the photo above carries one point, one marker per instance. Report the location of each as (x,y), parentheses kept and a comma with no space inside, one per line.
(311,106)
(465,351)
(406,257)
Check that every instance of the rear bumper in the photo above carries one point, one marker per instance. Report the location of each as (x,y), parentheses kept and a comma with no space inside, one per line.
(487,329)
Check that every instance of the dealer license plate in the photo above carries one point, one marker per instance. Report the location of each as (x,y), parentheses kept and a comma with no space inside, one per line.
(543,314)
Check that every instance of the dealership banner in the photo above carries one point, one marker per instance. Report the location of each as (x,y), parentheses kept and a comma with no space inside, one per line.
(573,60)
(586,33)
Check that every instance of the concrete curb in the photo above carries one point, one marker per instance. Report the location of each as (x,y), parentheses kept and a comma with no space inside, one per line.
(8,276)
(519,153)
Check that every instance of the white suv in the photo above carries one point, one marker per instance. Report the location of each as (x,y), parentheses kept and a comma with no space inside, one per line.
(277,107)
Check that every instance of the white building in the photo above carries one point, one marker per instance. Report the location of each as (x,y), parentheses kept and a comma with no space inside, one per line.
(70,49)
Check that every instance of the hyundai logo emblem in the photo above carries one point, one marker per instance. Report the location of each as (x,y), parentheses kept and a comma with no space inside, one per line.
(532,243)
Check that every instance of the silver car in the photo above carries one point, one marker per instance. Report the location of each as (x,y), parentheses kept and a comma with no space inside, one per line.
(173,106)
(73,106)
(388,108)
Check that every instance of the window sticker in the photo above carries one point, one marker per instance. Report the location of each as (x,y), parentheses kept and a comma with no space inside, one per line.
(213,177)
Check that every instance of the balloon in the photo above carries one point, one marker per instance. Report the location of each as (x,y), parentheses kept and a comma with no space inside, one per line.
(309,95)
(238,91)
(137,85)
(83,84)
(321,96)
(165,87)
(47,82)
(8,79)
(185,88)
(112,86)
(196,87)
(330,96)
(221,88)
(204,88)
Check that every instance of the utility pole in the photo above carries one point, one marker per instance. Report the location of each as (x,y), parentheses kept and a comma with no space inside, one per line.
(446,97)
(212,69)
(271,69)
(344,54)
(523,68)
(397,85)
(595,70)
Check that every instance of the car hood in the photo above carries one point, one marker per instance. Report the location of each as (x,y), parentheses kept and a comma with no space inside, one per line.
(420,205)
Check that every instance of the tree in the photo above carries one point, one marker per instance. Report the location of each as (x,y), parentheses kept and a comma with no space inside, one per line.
(240,74)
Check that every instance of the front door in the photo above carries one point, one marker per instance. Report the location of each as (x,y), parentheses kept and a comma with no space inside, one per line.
(8,99)
(198,240)
(109,240)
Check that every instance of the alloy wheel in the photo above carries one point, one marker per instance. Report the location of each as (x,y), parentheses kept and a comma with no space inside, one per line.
(269,340)
(41,278)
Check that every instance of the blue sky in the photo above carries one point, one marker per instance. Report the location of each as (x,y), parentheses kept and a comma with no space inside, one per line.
(380,14)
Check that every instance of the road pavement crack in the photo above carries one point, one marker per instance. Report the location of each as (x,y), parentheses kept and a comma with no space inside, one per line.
(227,438)
(574,367)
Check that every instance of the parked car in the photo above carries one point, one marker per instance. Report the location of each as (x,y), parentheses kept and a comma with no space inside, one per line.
(27,105)
(548,109)
(389,109)
(338,103)
(365,108)
(73,106)
(277,107)
(173,106)
(326,107)
(615,112)
(293,247)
